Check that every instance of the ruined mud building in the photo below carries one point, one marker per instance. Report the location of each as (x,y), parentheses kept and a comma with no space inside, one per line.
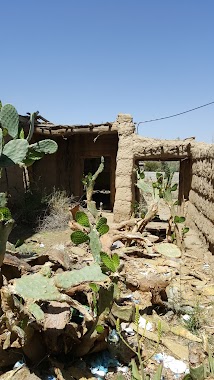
(81,146)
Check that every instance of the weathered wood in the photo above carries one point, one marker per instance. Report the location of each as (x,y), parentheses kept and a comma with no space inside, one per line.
(73,130)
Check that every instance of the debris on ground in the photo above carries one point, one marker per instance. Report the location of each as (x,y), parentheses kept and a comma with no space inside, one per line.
(59,301)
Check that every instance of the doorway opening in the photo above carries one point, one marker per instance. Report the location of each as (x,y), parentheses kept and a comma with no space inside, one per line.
(156,178)
(102,188)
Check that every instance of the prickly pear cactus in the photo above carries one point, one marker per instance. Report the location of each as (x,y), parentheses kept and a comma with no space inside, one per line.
(38,150)
(103,229)
(36,287)
(82,219)
(18,151)
(79,237)
(100,222)
(168,249)
(95,244)
(5,213)
(14,152)
(87,274)
(9,119)
(97,229)
(36,311)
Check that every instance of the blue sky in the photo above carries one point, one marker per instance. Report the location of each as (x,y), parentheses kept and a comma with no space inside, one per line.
(80,61)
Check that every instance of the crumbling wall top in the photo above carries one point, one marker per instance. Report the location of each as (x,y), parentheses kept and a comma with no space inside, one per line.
(124,124)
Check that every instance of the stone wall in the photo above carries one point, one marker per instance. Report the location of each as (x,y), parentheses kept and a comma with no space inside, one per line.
(201,198)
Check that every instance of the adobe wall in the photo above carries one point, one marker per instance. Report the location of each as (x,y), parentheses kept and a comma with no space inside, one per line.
(131,148)
(124,182)
(65,168)
(12,181)
(201,198)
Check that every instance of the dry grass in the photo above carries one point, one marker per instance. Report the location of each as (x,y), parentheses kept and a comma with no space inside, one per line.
(57,214)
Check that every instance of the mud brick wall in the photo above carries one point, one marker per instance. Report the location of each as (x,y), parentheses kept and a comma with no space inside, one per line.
(124,183)
(201,198)
(131,148)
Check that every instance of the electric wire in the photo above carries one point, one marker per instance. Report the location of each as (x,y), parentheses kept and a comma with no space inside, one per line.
(177,114)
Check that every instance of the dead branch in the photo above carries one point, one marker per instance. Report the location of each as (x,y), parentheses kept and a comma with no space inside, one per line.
(149,216)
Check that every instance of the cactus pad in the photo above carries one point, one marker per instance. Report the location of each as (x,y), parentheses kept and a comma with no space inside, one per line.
(5,213)
(14,152)
(112,263)
(10,120)
(168,250)
(44,146)
(36,287)
(87,274)
(79,237)
(103,229)
(82,219)
(100,222)
(36,311)
(95,244)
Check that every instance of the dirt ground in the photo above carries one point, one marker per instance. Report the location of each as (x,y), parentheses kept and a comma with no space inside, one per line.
(165,289)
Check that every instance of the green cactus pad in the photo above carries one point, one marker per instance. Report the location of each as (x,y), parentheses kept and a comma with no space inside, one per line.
(107,261)
(36,311)
(95,244)
(36,287)
(168,250)
(79,237)
(103,229)
(112,263)
(5,213)
(179,219)
(82,219)
(89,273)
(144,186)
(100,222)
(14,152)
(45,146)
(10,120)
(116,260)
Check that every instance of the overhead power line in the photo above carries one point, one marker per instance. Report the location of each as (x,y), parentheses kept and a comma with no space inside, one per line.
(177,114)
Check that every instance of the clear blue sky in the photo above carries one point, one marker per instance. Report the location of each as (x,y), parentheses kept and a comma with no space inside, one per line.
(80,61)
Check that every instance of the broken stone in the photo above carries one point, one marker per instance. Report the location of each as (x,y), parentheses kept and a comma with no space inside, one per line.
(20,373)
(208,291)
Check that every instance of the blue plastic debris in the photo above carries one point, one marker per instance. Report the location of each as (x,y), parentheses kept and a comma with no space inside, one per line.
(100,363)
(113,337)
(19,364)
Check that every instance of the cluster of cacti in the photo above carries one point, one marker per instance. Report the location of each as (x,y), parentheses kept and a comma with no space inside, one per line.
(40,287)
(92,233)
(18,150)
(163,185)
